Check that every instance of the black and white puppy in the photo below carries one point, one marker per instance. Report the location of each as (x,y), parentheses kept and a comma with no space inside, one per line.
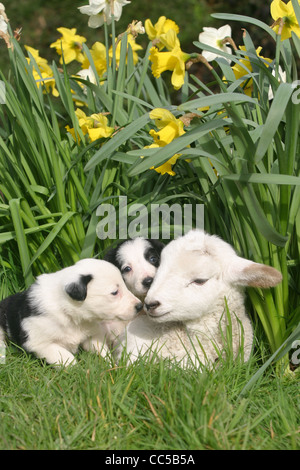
(68,308)
(138,260)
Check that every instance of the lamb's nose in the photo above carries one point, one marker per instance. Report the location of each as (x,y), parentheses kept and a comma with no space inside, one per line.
(138,307)
(147,281)
(152,305)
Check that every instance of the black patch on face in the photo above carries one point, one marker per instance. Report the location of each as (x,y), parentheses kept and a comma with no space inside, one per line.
(154,250)
(152,254)
(78,290)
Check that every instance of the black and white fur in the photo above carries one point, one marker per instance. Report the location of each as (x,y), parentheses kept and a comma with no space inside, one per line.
(138,260)
(68,308)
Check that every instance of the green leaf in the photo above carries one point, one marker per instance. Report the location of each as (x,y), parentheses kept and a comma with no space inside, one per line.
(296,7)
(14,205)
(245,19)
(164,153)
(267,178)
(281,352)
(133,98)
(7,236)
(274,118)
(219,98)
(49,239)
(259,218)
(114,143)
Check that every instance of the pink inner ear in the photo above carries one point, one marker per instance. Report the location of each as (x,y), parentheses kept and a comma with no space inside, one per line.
(261,275)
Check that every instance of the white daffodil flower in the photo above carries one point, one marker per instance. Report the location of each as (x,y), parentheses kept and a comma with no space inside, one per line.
(3,19)
(215,38)
(100,11)
(87,74)
(3,25)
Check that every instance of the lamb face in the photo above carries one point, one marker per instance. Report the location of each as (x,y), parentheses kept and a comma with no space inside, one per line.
(188,286)
(196,273)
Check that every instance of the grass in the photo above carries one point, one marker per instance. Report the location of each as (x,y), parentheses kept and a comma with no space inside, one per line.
(96,405)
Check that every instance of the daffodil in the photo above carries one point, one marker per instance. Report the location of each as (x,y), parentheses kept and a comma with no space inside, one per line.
(135,28)
(158,31)
(217,39)
(173,60)
(96,125)
(169,129)
(44,74)
(3,26)
(169,126)
(3,20)
(244,66)
(285,19)
(87,74)
(101,11)
(98,53)
(166,167)
(281,79)
(69,45)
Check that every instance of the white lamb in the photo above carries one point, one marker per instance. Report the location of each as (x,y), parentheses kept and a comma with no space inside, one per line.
(186,307)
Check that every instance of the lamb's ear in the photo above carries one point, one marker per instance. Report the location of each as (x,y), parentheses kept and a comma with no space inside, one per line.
(247,273)
(78,290)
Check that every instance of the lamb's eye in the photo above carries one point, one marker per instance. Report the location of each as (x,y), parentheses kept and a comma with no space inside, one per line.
(126,269)
(199,282)
(115,292)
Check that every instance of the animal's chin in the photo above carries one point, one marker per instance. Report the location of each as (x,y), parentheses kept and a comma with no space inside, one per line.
(160,316)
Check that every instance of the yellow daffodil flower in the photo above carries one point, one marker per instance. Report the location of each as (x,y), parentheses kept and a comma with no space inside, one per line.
(69,45)
(98,53)
(173,60)
(240,69)
(100,127)
(285,19)
(161,27)
(96,126)
(169,129)
(44,74)
(167,166)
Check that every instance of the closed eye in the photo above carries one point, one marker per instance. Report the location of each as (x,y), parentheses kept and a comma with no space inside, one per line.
(199,282)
